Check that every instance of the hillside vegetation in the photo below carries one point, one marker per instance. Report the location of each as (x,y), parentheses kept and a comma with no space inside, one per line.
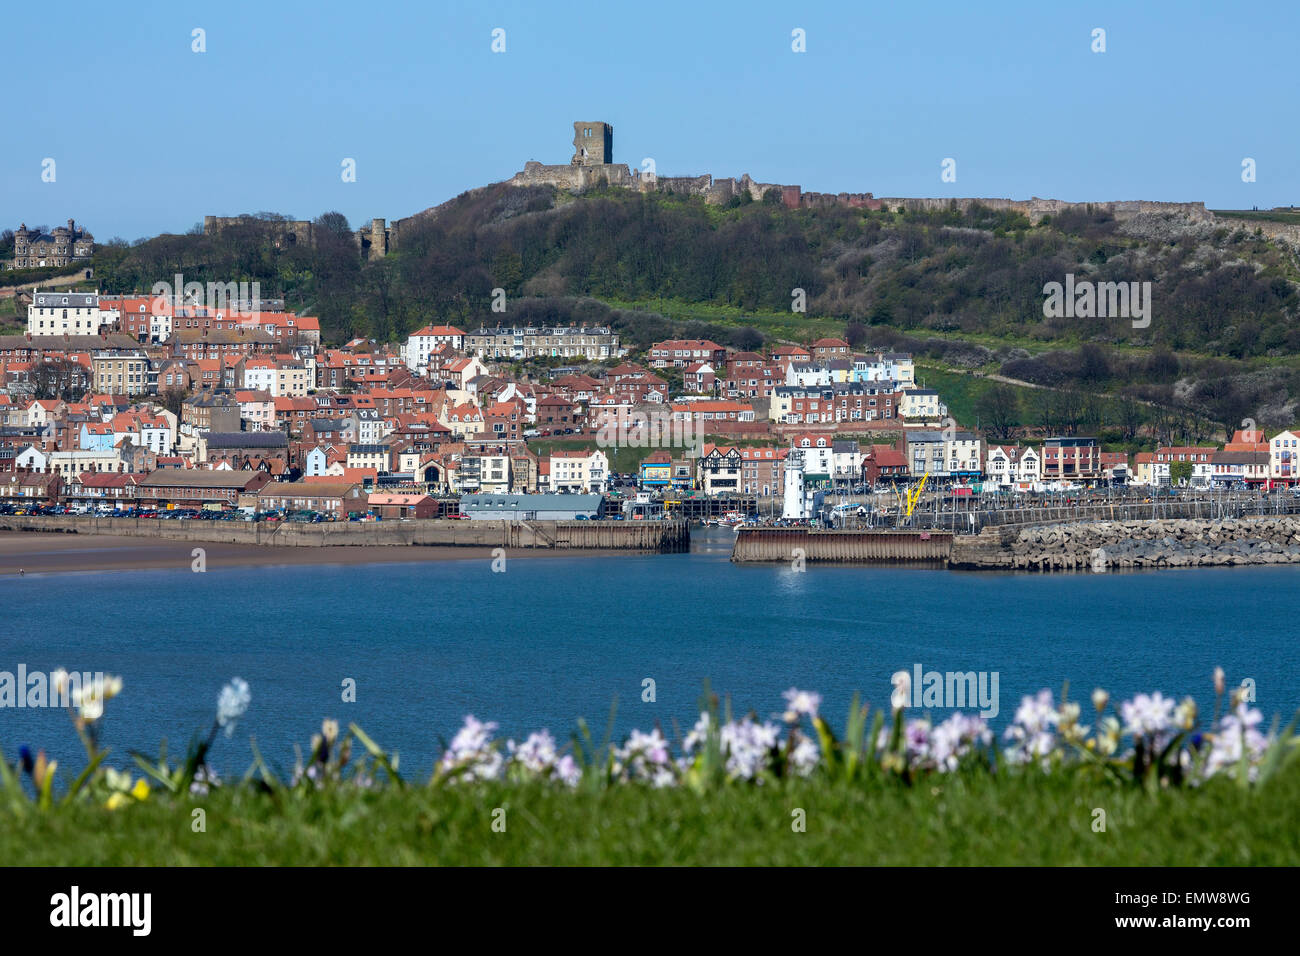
(963,290)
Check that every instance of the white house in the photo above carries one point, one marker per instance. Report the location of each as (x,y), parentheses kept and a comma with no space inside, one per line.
(818,456)
(368,425)
(579,472)
(259,376)
(846,460)
(32,458)
(807,375)
(66,313)
(889,367)
(921,403)
(1007,465)
(423,341)
(1284,457)
(965,455)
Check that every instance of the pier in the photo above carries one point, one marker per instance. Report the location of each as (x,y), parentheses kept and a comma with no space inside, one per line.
(660,537)
(770,545)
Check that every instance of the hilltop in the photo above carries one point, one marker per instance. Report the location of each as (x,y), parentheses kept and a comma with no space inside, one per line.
(960,285)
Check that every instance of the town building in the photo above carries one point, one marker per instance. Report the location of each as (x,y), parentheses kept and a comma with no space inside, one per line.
(594,344)
(1071,460)
(541,507)
(66,313)
(63,246)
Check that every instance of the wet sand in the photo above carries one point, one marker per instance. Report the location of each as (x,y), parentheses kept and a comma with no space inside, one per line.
(38,553)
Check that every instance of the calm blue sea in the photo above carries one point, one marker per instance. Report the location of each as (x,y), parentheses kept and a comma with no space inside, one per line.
(555,638)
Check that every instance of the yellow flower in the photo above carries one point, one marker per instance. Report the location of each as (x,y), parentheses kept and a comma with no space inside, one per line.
(118,799)
(141,790)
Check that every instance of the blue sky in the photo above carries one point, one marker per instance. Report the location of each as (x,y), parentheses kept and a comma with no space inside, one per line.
(148,136)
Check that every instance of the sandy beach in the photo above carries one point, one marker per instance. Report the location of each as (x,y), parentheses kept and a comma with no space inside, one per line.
(36,553)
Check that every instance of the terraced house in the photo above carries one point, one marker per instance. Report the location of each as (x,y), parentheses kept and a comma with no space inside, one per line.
(199,488)
(66,313)
(593,344)
(120,372)
(679,353)
(830,404)
(579,471)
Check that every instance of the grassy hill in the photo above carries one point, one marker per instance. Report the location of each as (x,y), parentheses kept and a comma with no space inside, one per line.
(962,290)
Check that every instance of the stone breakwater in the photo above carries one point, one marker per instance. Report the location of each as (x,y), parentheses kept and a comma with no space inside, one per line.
(664,537)
(1112,545)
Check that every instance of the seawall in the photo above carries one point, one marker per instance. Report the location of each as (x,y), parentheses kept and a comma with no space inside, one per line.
(663,537)
(771,545)
(1071,546)
(1108,545)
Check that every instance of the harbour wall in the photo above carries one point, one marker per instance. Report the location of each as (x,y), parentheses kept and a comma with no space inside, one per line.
(1071,546)
(662,537)
(771,545)
(1117,545)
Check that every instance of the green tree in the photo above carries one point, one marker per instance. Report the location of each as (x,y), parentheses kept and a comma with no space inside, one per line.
(998,409)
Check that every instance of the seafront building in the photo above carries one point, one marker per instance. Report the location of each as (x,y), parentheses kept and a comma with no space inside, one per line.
(131,401)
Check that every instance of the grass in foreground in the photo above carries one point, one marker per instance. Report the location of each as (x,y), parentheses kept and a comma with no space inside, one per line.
(896,789)
(961,820)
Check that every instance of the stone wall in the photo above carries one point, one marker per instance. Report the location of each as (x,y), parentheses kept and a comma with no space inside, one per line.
(294,231)
(1035,209)
(653,536)
(783,545)
(1277,231)
(575,178)
(1110,545)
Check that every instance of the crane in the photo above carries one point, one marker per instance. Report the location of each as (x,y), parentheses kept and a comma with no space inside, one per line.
(914,494)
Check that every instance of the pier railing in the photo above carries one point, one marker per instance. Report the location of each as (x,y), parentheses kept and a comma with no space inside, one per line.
(972,515)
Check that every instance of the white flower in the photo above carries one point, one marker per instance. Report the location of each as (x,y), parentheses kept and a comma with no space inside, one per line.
(1237,736)
(805,757)
(699,733)
(956,738)
(644,757)
(1031,733)
(1147,715)
(536,754)
(801,702)
(902,694)
(1108,734)
(89,698)
(232,703)
(747,747)
(472,752)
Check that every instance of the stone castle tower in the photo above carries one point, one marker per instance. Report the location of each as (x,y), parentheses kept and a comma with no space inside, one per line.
(593,144)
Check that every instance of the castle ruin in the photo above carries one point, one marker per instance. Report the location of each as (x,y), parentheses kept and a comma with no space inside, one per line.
(593,144)
(592,167)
